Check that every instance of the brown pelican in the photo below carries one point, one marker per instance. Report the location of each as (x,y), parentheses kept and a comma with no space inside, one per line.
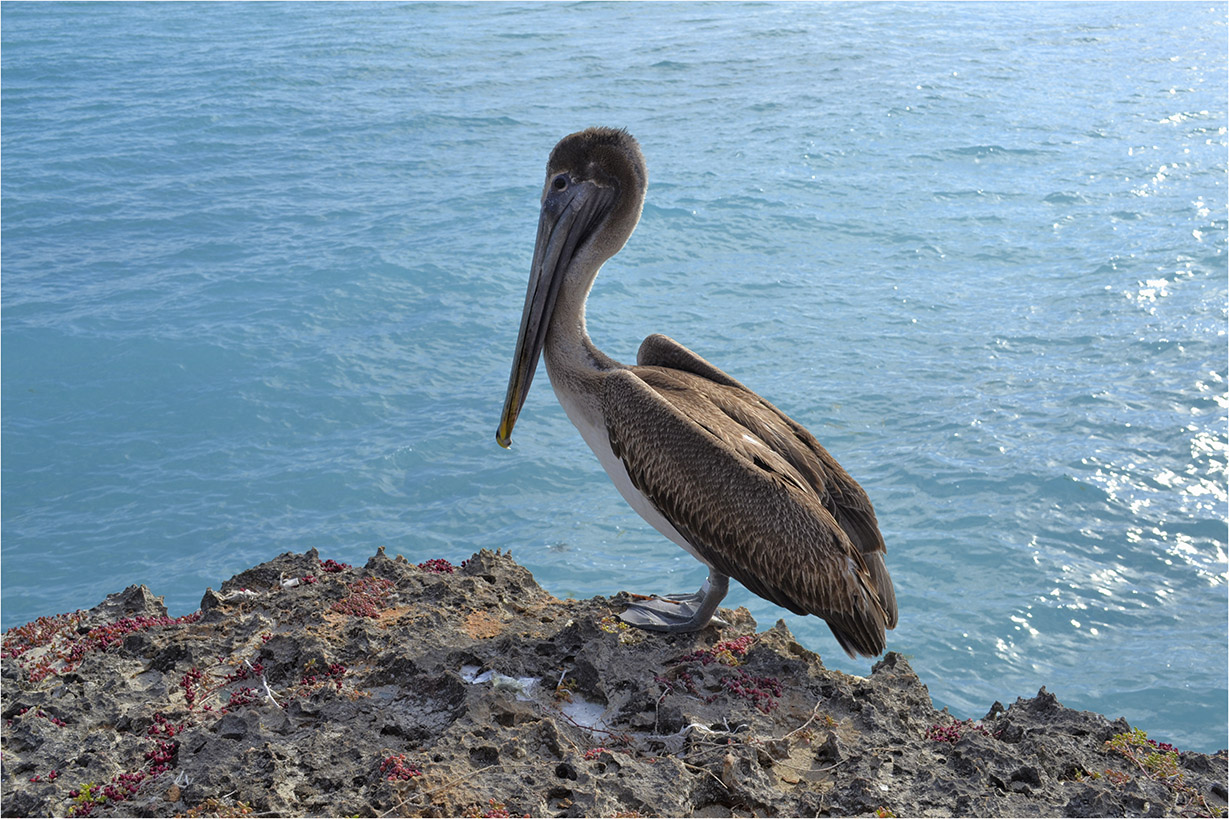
(710,464)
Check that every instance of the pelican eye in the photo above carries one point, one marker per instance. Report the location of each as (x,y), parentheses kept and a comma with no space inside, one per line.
(560,182)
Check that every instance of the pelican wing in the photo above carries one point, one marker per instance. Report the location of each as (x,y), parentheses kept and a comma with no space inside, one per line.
(660,350)
(839,493)
(749,511)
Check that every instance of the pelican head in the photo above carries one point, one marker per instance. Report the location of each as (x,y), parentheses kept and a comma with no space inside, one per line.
(591,201)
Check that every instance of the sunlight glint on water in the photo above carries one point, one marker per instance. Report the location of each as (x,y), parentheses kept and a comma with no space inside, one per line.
(263,268)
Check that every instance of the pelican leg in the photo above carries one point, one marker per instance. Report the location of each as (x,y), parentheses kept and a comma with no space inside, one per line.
(679,612)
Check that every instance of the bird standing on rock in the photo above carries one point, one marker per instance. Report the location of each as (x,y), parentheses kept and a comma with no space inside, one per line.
(711,465)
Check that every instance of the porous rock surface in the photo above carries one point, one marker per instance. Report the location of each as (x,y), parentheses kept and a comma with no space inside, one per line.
(305,688)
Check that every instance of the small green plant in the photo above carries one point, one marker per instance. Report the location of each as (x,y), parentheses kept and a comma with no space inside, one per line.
(1158,761)
(627,635)
(85,798)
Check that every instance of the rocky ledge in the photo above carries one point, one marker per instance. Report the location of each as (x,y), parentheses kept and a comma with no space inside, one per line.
(308,687)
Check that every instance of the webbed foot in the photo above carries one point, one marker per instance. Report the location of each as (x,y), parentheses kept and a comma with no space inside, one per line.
(680,612)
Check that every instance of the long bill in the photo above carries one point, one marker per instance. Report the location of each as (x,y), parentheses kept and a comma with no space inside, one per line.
(567,218)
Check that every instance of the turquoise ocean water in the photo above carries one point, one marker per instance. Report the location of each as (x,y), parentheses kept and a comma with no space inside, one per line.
(263,265)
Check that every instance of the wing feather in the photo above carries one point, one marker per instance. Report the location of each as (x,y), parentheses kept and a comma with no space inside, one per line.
(840,494)
(744,506)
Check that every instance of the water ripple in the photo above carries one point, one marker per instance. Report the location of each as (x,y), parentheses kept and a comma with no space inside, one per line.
(263,268)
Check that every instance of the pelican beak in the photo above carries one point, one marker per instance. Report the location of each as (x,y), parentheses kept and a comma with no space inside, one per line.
(568,217)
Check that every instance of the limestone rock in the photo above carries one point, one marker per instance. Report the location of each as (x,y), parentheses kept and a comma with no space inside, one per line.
(311,688)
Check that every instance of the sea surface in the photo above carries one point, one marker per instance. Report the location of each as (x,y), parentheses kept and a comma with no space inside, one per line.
(263,266)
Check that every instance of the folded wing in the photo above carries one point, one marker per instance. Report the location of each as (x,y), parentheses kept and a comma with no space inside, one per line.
(751,490)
